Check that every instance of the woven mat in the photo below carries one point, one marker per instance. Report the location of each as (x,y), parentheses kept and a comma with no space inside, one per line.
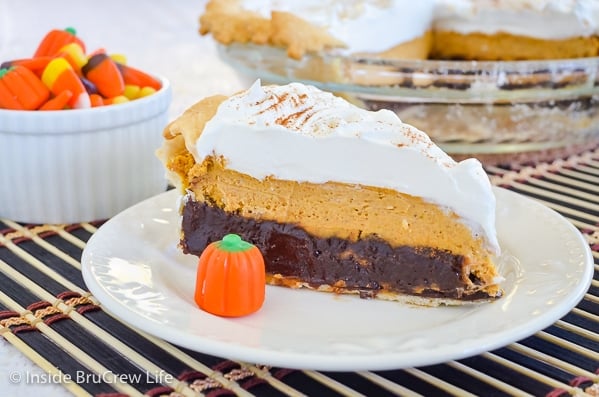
(47,313)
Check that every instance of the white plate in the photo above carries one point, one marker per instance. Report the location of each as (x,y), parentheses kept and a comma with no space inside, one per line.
(133,267)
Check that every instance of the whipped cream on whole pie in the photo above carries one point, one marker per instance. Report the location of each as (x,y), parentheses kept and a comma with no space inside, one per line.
(345,26)
(361,25)
(543,19)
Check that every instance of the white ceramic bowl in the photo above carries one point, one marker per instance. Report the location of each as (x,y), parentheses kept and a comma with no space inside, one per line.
(81,165)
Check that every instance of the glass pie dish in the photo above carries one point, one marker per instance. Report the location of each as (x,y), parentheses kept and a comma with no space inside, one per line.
(499,112)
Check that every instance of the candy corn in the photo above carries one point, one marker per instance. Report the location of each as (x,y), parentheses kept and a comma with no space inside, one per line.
(132,91)
(136,77)
(59,76)
(119,58)
(74,54)
(103,72)
(145,91)
(89,86)
(116,100)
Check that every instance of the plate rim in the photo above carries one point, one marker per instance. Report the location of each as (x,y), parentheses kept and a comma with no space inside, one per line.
(337,363)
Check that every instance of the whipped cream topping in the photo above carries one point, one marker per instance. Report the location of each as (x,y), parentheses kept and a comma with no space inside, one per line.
(300,133)
(543,19)
(363,25)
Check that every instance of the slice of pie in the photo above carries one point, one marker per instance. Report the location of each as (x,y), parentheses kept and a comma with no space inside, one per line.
(337,198)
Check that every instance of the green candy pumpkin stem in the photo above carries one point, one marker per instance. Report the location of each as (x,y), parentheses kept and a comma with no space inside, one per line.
(234,243)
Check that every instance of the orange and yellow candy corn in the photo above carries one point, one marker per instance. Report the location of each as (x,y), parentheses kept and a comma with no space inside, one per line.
(74,54)
(59,76)
(101,70)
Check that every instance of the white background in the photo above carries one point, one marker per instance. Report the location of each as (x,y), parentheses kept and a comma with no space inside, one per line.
(157,36)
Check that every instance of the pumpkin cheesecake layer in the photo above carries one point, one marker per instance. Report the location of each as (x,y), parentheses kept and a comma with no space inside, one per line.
(326,231)
(349,212)
(508,47)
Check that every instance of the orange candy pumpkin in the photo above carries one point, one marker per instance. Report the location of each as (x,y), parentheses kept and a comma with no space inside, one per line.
(230,278)
(55,39)
(21,89)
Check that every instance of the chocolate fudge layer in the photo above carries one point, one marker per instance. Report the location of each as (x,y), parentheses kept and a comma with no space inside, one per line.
(368,267)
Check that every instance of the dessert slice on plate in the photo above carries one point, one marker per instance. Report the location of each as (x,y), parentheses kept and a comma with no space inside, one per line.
(337,198)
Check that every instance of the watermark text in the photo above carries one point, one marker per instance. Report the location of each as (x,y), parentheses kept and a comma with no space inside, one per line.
(82,377)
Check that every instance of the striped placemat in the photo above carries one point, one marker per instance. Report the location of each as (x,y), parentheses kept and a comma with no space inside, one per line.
(47,313)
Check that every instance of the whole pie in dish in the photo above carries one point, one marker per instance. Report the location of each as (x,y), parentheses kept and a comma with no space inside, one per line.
(441,29)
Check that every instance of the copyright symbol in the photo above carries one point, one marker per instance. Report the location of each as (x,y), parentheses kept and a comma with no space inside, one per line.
(14,377)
